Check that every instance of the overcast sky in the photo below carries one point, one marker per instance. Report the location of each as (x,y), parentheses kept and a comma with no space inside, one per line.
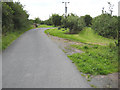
(45,8)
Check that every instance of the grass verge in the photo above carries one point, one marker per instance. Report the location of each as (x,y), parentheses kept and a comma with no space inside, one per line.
(96,59)
(85,36)
(11,36)
(100,55)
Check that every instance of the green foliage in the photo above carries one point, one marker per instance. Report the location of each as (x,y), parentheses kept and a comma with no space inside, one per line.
(119,31)
(88,20)
(11,36)
(106,25)
(56,19)
(13,17)
(37,20)
(111,45)
(81,23)
(101,60)
(47,22)
(7,18)
(74,23)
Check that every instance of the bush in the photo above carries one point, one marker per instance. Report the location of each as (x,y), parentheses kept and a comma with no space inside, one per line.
(81,23)
(14,17)
(56,19)
(111,45)
(106,25)
(7,18)
(74,23)
(88,20)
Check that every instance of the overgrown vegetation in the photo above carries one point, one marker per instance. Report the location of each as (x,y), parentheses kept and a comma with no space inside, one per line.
(96,59)
(100,54)
(14,17)
(14,22)
(106,25)
(11,36)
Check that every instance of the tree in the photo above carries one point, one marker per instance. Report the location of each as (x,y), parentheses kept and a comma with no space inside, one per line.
(106,25)
(7,18)
(88,20)
(81,22)
(74,23)
(56,19)
(14,17)
(37,20)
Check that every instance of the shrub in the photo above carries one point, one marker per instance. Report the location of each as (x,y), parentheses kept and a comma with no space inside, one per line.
(88,20)
(106,25)
(56,19)
(74,23)
(111,45)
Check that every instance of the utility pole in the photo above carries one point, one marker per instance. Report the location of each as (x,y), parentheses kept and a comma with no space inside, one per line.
(65,8)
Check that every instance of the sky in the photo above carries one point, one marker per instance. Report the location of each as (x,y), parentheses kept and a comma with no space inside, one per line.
(45,8)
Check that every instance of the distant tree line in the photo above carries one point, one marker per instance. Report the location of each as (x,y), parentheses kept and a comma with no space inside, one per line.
(105,24)
(14,17)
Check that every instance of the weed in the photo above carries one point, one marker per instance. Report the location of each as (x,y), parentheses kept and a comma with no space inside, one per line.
(96,61)
(64,51)
(93,86)
(111,45)
(83,75)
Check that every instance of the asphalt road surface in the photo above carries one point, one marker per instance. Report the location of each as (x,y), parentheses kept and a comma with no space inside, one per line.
(34,61)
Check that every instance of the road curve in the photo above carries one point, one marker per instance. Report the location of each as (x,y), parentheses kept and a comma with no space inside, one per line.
(34,61)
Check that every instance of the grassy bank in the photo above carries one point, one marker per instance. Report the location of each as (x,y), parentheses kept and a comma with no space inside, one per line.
(86,36)
(11,36)
(99,57)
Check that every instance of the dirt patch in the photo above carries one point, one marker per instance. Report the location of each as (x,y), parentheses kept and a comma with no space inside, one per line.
(105,81)
(99,81)
(64,44)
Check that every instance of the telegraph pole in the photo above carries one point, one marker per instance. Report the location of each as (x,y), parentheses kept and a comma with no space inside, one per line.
(65,7)
(65,12)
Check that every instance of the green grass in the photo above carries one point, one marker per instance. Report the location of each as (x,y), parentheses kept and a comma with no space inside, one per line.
(85,36)
(11,36)
(93,86)
(100,55)
(44,26)
(96,59)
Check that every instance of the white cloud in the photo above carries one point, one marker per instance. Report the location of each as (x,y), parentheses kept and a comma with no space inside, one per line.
(45,8)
